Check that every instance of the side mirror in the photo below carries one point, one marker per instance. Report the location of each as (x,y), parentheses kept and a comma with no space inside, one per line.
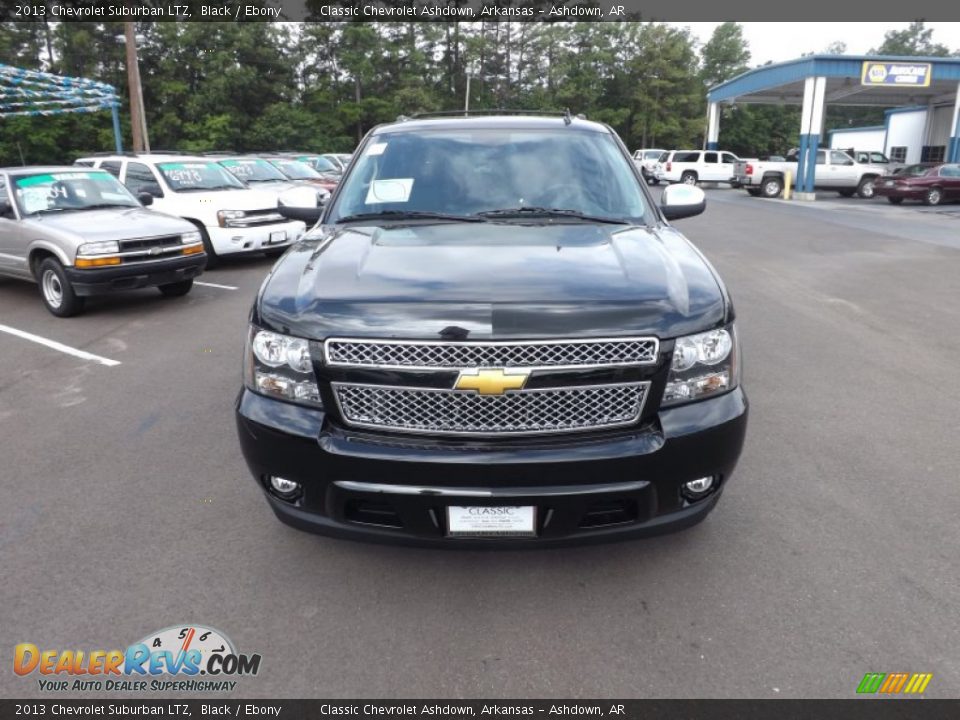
(309,215)
(145,198)
(681,201)
(849,162)
(6,209)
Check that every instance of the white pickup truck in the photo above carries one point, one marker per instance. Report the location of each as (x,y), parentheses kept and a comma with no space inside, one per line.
(835,171)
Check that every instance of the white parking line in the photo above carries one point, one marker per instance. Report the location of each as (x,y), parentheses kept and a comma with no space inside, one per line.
(53,344)
(216,285)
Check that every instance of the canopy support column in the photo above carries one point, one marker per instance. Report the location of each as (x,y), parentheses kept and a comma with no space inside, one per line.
(811,125)
(713,126)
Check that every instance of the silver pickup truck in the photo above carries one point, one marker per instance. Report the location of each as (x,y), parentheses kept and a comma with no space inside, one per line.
(835,171)
(77,232)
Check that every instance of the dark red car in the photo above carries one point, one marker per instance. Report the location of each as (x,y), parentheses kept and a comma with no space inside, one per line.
(931,183)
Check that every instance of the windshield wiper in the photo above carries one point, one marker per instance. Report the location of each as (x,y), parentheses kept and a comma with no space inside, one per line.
(544,212)
(212,187)
(101,206)
(410,215)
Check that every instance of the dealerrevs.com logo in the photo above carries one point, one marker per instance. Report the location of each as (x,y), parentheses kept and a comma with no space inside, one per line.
(178,658)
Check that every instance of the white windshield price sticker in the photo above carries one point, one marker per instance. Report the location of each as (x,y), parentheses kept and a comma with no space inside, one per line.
(389,191)
(376,149)
(506,521)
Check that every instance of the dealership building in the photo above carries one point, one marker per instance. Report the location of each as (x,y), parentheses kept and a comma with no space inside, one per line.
(920,133)
(920,95)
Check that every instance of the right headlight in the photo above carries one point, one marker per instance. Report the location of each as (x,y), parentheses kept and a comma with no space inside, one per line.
(280,366)
(703,365)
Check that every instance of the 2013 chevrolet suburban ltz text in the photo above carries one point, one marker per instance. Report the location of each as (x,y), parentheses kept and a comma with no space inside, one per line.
(493,335)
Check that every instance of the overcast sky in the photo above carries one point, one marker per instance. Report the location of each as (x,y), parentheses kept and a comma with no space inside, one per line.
(785,41)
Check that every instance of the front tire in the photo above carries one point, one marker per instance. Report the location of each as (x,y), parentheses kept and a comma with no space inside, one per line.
(934,196)
(865,188)
(56,291)
(689,178)
(177,289)
(772,187)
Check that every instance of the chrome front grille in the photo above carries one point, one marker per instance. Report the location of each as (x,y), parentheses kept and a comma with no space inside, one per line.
(432,355)
(522,412)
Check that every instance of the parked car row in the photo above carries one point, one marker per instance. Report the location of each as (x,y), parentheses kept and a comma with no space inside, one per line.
(124,221)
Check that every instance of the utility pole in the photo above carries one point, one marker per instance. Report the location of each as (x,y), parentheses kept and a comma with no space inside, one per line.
(138,120)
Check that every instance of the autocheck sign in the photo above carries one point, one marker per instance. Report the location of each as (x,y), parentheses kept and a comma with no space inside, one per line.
(895,73)
(174,658)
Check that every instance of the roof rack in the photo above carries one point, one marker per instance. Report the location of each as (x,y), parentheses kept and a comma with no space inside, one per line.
(565,114)
(105,153)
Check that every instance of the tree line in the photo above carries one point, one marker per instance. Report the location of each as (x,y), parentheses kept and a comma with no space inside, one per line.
(320,86)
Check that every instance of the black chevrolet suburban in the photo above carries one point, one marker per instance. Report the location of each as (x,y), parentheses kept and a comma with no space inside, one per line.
(493,336)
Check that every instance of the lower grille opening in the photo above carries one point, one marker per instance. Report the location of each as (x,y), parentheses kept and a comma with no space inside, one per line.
(372,512)
(612,512)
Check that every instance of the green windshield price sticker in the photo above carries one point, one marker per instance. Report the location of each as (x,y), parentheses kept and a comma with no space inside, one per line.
(35,180)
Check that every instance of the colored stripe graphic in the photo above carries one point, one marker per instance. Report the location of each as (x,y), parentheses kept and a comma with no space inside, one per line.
(871,682)
(894,683)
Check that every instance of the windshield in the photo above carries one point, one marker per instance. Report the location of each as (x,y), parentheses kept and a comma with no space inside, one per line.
(319,163)
(57,192)
(916,170)
(197,175)
(295,170)
(253,170)
(652,154)
(468,171)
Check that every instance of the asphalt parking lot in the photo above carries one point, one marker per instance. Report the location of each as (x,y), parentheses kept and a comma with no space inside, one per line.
(127,506)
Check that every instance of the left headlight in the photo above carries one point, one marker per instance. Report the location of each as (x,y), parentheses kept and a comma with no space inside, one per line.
(280,366)
(225,218)
(703,365)
(188,238)
(104,247)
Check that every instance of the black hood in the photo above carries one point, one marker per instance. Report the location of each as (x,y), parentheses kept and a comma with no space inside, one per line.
(492,280)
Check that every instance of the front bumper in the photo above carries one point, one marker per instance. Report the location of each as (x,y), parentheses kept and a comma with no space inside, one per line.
(231,240)
(96,281)
(396,489)
(881,190)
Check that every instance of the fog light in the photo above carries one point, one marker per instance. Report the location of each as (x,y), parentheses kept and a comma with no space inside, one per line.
(696,489)
(284,487)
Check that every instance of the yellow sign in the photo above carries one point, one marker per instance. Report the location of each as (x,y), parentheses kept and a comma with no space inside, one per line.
(491,382)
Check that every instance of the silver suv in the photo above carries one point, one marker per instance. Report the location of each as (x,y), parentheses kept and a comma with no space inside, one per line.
(77,231)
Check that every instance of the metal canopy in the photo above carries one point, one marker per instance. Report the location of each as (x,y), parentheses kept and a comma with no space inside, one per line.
(38,94)
(783,83)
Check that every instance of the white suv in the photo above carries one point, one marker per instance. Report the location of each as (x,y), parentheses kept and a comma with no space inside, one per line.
(693,166)
(231,217)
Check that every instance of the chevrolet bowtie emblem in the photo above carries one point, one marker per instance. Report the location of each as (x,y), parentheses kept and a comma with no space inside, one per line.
(491,382)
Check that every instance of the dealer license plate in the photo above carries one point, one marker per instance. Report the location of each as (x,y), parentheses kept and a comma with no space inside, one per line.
(506,521)
(277,237)
(889,183)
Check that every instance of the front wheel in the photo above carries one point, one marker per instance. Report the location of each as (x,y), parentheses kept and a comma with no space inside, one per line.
(865,188)
(689,178)
(177,289)
(56,291)
(933,197)
(894,200)
(772,187)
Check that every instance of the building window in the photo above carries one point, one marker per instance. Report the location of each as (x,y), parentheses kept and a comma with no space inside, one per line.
(932,153)
(898,154)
